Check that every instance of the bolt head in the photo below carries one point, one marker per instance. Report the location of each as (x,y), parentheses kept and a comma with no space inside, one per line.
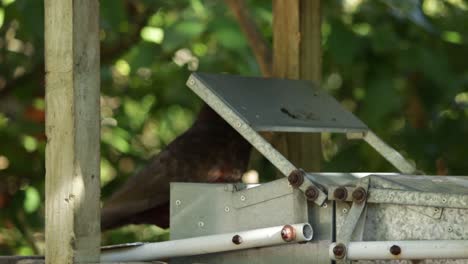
(340,194)
(288,233)
(237,240)
(312,193)
(395,250)
(296,178)
(339,251)
(359,195)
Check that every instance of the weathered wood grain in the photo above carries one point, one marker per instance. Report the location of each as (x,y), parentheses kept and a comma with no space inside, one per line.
(297,55)
(73,131)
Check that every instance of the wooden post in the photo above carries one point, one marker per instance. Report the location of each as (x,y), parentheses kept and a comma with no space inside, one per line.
(297,55)
(73,131)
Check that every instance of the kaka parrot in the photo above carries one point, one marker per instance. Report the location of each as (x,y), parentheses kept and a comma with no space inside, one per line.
(209,151)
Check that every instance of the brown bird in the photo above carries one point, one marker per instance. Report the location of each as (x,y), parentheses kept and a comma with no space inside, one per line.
(210,151)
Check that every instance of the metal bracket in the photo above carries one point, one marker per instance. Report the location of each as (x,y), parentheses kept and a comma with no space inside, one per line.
(389,153)
(343,194)
(403,197)
(440,200)
(261,193)
(344,236)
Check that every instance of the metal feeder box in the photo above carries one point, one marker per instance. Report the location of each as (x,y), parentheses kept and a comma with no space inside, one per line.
(355,217)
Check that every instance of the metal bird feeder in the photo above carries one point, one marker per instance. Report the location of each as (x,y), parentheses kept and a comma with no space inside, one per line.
(307,217)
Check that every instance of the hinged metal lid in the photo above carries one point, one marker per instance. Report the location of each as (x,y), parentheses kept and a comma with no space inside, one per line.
(269,104)
(252,104)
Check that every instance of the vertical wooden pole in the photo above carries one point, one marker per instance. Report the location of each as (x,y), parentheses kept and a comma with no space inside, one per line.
(297,55)
(73,131)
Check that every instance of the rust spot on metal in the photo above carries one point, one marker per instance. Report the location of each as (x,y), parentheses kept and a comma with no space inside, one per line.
(340,194)
(237,239)
(395,250)
(288,233)
(312,193)
(339,251)
(296,178)
(359,195)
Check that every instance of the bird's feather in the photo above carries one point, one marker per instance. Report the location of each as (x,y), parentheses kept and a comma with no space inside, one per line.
(210,151)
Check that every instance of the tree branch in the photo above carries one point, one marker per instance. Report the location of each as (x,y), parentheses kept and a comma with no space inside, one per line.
(257,42)
(109,54)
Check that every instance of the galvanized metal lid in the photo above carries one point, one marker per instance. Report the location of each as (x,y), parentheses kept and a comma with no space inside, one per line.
(269,104)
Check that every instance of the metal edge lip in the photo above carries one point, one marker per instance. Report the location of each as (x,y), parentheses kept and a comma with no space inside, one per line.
(195,76)
(310,129)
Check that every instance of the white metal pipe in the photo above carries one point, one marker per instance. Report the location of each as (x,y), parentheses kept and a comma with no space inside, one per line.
(414,249)
(211,244)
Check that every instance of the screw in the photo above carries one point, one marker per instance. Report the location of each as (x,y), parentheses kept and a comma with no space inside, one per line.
(444,200)
(345,211)
(288,233)
(312,193)
(201,224)
(191,82)
(359,195)
(242,198)
(449,229)
(395,250)
(238,124)
(226,209)
(237,239)
(296,178)
(324,205)
(339,251)
(178,202)
(340,194)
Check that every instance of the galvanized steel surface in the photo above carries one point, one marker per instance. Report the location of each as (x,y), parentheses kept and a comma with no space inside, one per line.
(397,222)
(430,191)
(203,209)
(269,104)
(382,196)
(206,209)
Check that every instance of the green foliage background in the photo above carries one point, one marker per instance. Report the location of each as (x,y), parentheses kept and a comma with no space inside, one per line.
(401,66)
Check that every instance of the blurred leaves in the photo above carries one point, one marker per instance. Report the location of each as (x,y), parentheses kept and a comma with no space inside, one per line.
(401,67)
(32,200)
